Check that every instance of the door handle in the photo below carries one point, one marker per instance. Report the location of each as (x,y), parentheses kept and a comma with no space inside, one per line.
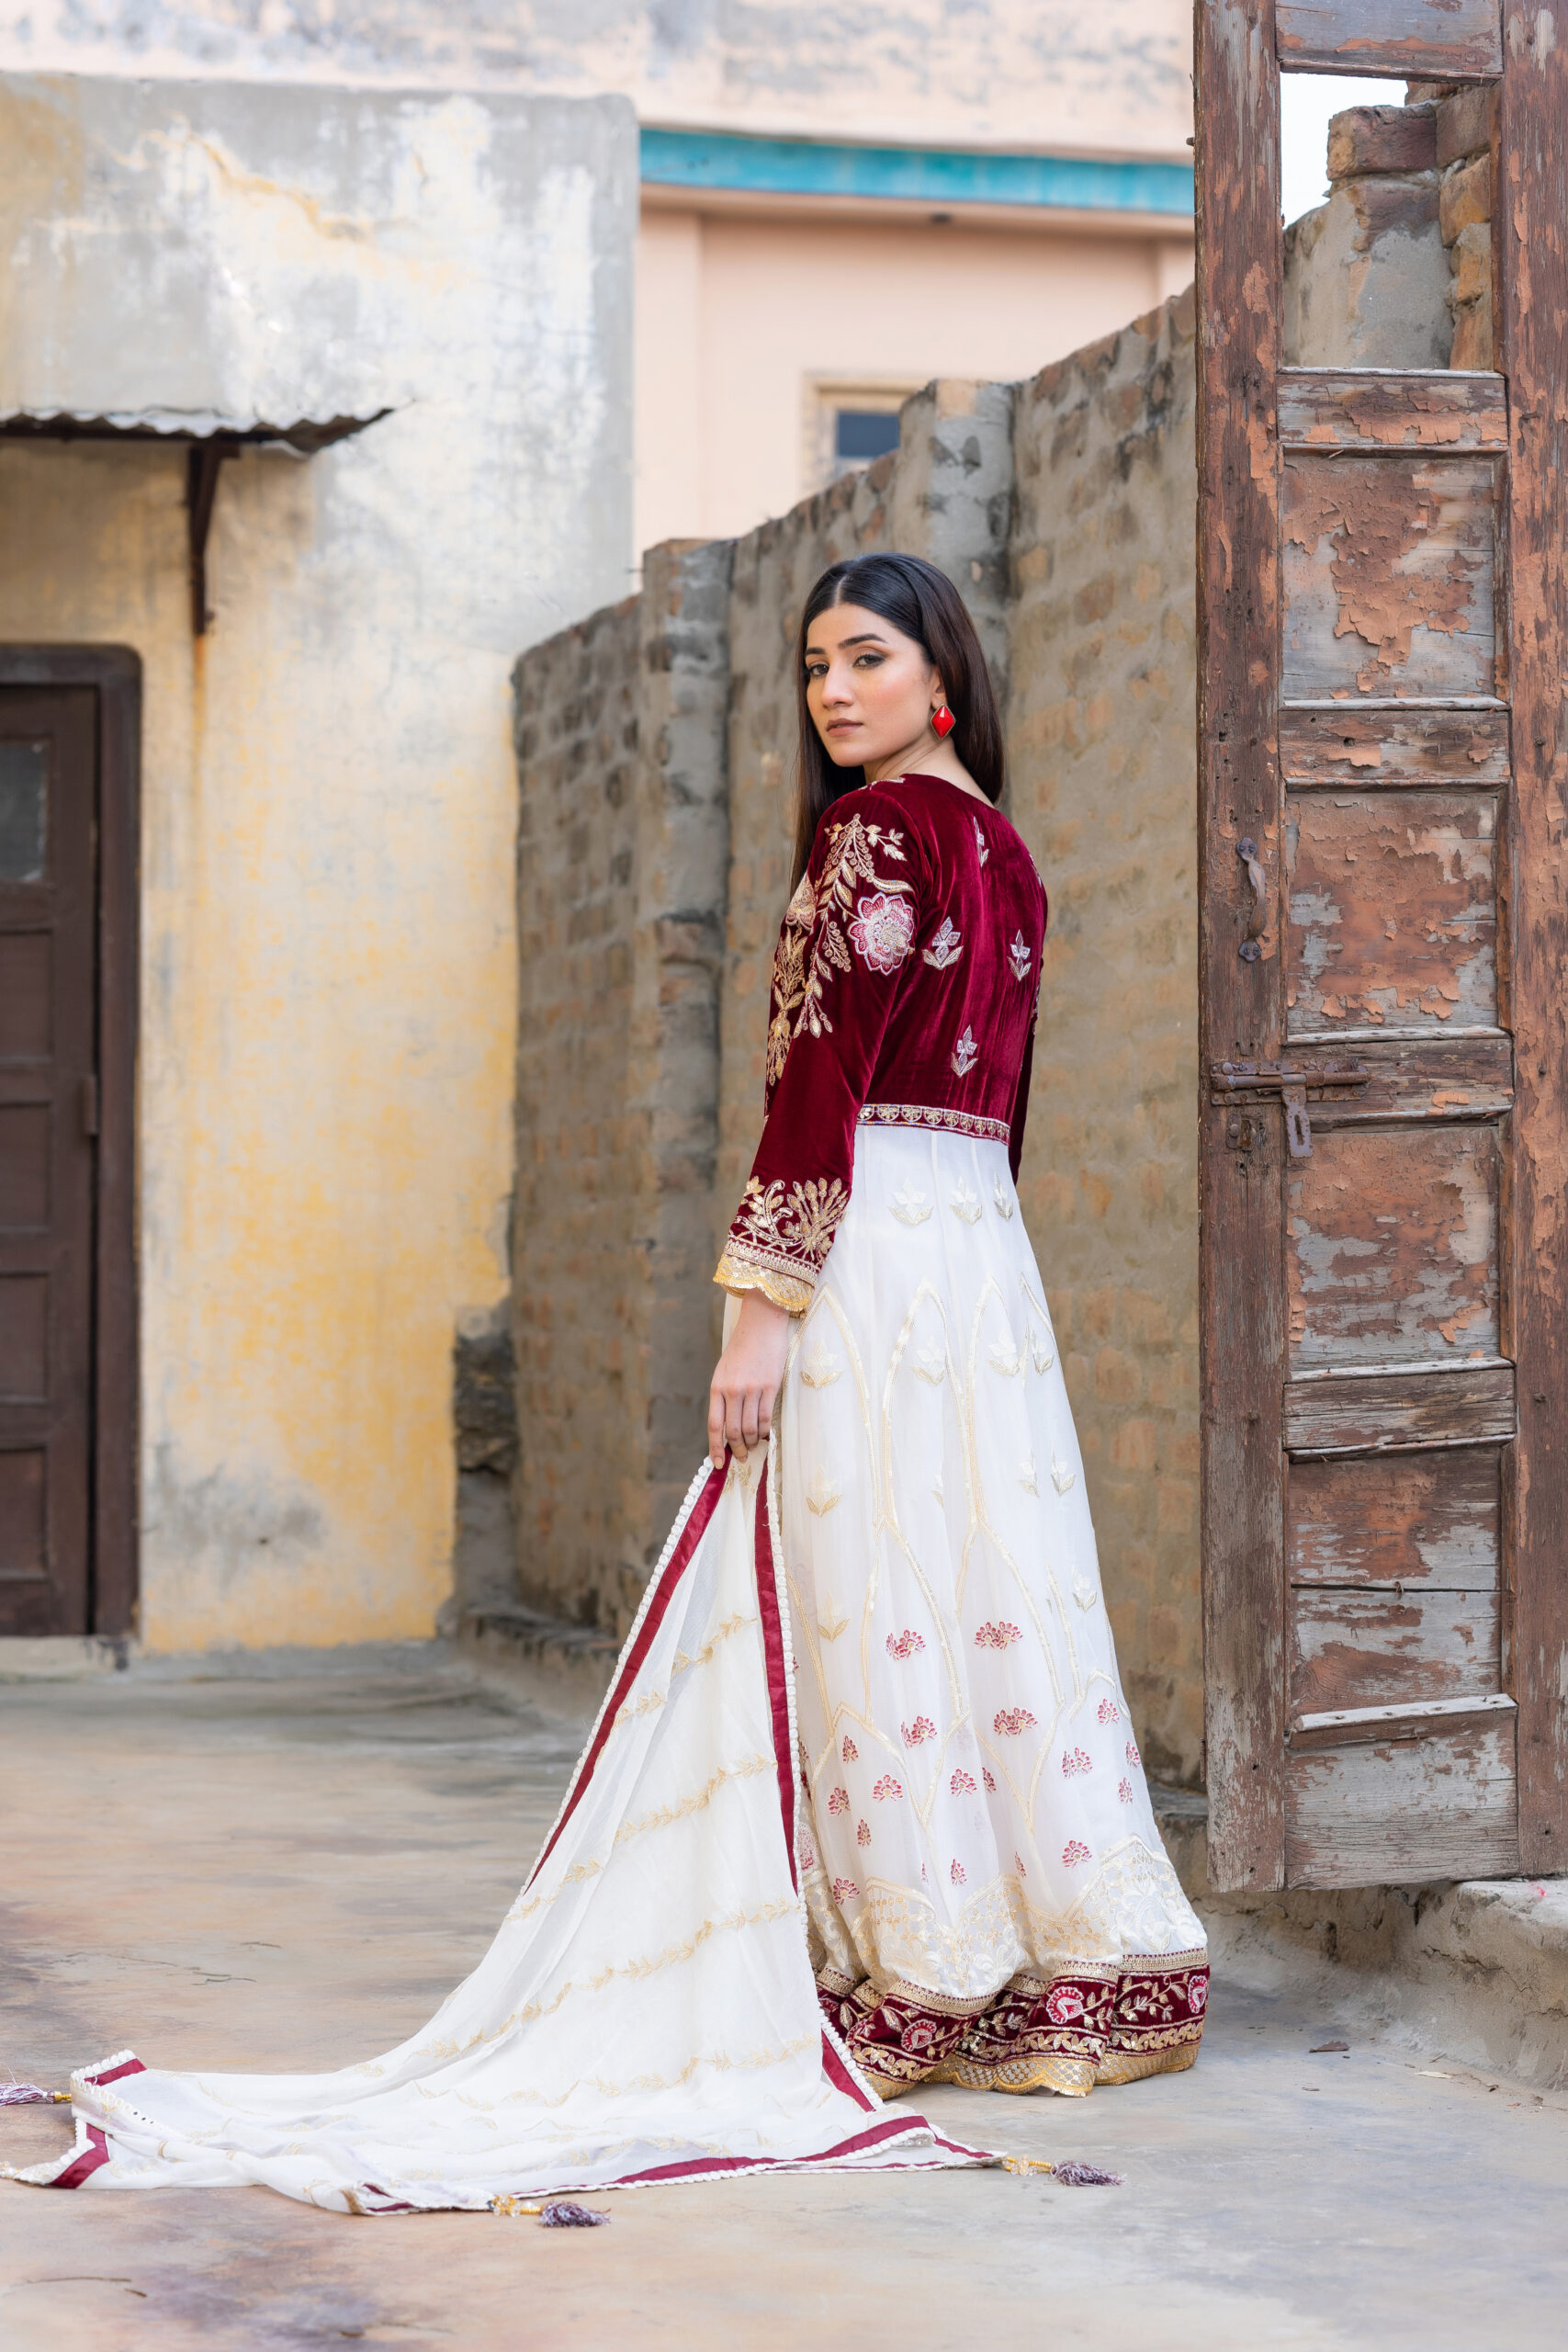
(1246,850)
(1290,1083)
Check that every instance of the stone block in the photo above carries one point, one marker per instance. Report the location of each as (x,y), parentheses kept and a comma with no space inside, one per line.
(1466,196)
(1382,139)
(1464,123)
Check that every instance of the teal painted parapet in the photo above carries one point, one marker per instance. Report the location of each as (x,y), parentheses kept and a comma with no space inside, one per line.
(926,175)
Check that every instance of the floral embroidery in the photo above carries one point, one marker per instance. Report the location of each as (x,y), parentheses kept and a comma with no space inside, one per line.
(1021,956)
(822,1496)
(1085,1593)
(852,848)
(1026,1478)
(919,1732)
(781,1231)
(850,1752)
(839,1801)
(888,1788)
(1074,1761)
(936,1488)
(881,931)
(1065,2003)
(930,1365)
(910,1207)
(962,1784)
(956,1872)
(1017,1865)
(1005,1360)
(946,948)
(1198,1992)
(1063,1475)
(996,1635)
(1040,1350)
(807,1855)
(965,1202)
(1132,1755)
(986,1776)
(1074,1852)
(1010,1721)
(833,1625)
(844,1889)
(1109,1712)
(820,1370)
(981,844)
(905,1644)
(789,975)
(1003,1201)
(965,1054)
(1124,1791)
(863,1833)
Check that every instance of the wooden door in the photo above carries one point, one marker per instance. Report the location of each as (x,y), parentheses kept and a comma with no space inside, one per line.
(49,903)
(1383,760)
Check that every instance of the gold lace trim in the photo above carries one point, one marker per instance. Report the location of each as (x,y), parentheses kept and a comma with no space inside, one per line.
(926,1114)
(739,1270)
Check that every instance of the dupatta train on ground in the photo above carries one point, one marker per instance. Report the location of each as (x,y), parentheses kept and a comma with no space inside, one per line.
(647,2010)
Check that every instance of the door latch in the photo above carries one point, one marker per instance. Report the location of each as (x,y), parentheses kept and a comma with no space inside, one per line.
(1290,1084)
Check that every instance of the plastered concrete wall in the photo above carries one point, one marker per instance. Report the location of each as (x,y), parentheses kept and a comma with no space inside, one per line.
(1024,72)
(329,978)
(1101,743)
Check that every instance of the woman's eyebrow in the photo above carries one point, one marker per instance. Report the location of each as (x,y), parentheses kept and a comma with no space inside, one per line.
(868,637)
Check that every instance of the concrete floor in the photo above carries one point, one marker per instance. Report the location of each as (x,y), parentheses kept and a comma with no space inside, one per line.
(292,1871)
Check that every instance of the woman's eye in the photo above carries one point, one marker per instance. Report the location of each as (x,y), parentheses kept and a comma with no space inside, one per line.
(870,662)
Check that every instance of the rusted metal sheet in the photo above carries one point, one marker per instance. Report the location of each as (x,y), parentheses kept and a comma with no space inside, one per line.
(1448,40)
(1346,408)
(1241,1287)
(1391,1247)
(1425,1519)
(1367,1650)
(1400,1811)
(1532,228)
(1387,1412)
(1392,911)
(1378,748)
(1389,568)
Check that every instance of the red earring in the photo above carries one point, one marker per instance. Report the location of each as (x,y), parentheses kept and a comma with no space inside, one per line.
(942,720)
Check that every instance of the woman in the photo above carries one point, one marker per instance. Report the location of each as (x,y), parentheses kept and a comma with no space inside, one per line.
(878,1820)
(991,1904)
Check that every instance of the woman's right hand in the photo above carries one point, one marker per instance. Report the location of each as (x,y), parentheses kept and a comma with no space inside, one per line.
(747,1378)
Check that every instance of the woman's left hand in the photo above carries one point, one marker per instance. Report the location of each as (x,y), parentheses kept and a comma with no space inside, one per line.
(747,1378)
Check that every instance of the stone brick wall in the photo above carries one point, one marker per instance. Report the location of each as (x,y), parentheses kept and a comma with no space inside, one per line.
(1101,741)
(1062,510)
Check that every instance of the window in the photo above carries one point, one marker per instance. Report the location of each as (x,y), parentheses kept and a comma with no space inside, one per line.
(861,434)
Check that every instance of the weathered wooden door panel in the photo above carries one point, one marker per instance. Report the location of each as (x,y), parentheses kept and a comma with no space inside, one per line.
(1435,40)
(1440,1801)
(1383,579)
(1391,911)
(1390,573)
(48,1055)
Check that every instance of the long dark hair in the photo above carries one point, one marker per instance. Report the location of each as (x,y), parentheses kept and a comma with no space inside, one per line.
(922,603)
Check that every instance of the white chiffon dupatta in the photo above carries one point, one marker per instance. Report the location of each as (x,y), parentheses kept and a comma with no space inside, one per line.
(647,2010)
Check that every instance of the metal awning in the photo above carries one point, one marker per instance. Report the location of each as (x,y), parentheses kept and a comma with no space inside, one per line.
(208,436)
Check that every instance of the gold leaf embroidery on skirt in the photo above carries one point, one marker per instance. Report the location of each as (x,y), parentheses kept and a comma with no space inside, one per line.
(820,1369)
(930,1365)
(1004,1205)
(964,1201)
(1043,1352)
(1063,1475)
(1026,1476)
(822,1496)
(833,1625)
(1007,1359)
(910,1206)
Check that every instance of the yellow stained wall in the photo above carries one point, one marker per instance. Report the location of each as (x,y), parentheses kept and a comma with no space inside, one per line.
(328,1003)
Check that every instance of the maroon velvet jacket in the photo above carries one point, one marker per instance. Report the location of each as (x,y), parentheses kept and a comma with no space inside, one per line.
(906,984)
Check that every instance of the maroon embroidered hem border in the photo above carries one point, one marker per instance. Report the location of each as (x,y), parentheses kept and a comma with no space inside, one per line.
(1097,2022)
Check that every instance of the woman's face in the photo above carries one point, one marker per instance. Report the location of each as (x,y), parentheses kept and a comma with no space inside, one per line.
(871,690)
